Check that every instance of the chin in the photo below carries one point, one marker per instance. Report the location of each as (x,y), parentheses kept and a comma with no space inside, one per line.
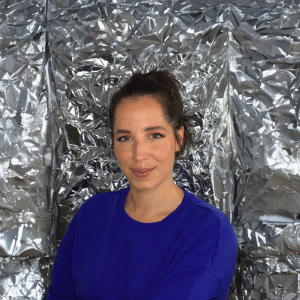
(142,185)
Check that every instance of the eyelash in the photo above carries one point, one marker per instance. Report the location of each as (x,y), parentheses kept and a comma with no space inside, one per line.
(119,139)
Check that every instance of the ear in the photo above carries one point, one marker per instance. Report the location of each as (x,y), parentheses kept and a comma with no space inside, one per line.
(180,133)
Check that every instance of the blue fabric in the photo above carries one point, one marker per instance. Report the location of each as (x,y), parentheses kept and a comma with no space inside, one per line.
(105,254)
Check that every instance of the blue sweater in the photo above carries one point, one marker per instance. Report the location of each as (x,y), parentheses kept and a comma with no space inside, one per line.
(105,254)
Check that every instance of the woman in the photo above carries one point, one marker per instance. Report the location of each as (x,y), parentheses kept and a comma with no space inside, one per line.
(153,240)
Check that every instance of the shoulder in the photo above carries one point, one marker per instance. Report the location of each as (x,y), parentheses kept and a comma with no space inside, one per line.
(107,196)
(211,217)
(100,203)
(201,206)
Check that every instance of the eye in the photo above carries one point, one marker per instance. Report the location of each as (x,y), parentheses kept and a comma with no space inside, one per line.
(122,138)
(157,135)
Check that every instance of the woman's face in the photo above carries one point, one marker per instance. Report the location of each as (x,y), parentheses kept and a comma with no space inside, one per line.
(144,140)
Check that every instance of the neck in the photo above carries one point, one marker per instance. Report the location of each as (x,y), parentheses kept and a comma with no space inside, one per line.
(155,201)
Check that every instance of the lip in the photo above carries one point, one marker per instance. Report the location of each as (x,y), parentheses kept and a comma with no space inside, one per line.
(142,173)
(142,170)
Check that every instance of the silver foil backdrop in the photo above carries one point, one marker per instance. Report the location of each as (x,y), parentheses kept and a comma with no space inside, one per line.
(239,66)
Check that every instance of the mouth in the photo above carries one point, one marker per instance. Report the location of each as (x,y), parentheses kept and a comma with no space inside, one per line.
(142,170)
(142,173)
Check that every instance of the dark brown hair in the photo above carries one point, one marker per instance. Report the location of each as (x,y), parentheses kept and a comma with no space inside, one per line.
(166,90)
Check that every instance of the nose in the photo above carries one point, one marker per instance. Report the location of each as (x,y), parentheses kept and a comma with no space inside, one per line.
(140,151)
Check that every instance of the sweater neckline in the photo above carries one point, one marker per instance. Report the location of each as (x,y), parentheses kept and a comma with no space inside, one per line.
(159,226)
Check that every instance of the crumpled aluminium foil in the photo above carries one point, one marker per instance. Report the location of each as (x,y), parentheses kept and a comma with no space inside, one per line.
(24,167)
(21,278)
(238,63)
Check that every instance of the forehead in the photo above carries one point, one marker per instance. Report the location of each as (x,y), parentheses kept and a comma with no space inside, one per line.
(145,100)
(139,108)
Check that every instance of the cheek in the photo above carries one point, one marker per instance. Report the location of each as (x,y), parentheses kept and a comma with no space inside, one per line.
(164,152)
(121,153)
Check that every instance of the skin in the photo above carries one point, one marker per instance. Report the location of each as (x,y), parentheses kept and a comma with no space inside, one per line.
(152,198)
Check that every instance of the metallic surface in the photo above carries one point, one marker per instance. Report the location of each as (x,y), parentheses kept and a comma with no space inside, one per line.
(24,155)
(239,66)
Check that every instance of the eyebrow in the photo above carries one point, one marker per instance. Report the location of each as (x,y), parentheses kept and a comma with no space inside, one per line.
(146,129)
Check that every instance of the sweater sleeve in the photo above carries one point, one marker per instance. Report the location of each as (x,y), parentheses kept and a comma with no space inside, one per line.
(61,286)
(205,270)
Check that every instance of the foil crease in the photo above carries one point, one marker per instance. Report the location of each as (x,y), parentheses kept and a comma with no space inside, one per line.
(21,278)
(238,64)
